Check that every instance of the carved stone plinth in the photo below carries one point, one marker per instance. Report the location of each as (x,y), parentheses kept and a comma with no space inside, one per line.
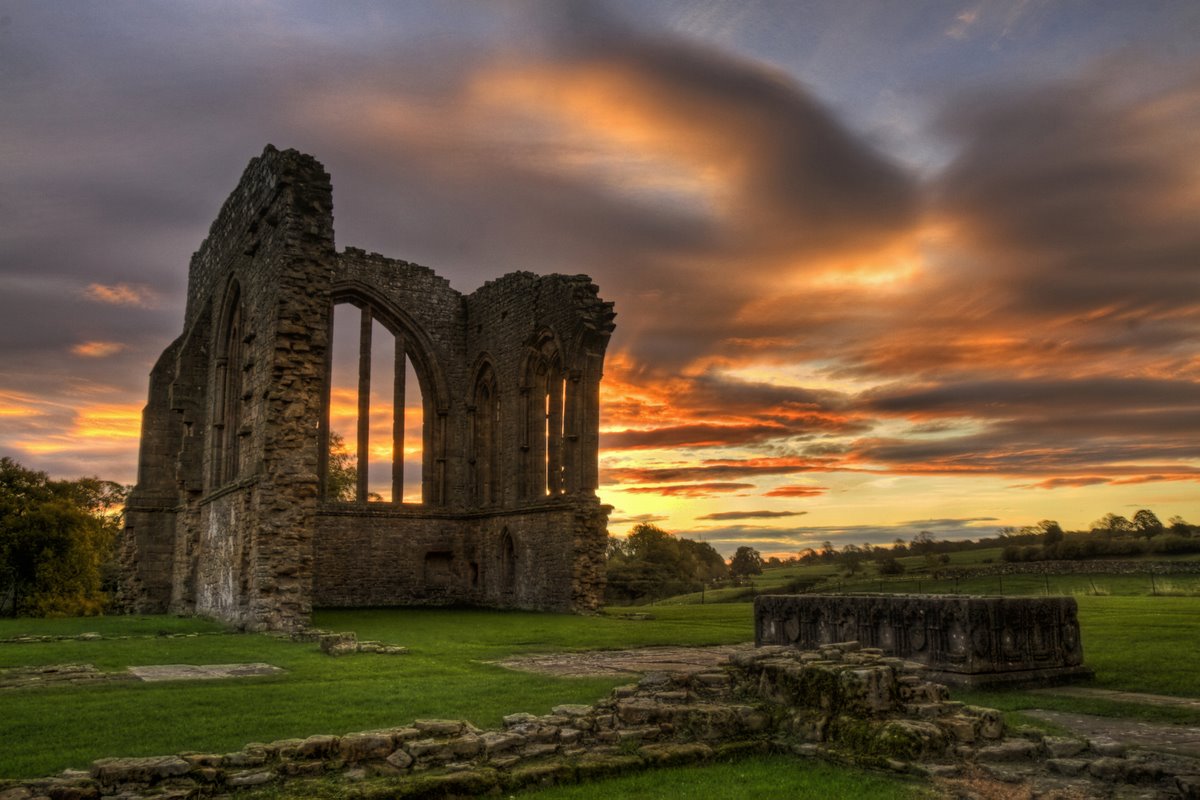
(963,640)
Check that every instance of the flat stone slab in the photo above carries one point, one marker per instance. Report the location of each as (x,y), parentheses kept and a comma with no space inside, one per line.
(1156,737)
(604,663)
(203,672)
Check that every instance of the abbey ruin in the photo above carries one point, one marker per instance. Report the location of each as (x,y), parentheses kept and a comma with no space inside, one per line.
(246,510)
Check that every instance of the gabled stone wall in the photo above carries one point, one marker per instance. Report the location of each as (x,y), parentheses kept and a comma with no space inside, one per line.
(230,516)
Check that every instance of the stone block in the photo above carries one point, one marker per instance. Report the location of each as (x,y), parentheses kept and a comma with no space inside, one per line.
(365,746)
(114,771)
(974,641)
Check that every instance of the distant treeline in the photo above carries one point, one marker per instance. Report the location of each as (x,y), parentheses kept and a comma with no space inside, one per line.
(1111,536)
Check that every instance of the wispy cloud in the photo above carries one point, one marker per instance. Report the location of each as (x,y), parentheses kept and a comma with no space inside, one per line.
(728,515)
(122,294)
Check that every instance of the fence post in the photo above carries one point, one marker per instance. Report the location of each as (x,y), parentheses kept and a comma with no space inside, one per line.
(1153,588)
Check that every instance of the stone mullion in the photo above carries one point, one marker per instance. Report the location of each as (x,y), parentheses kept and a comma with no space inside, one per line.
(589,439)
(398,393)
(571,433)
(364,402)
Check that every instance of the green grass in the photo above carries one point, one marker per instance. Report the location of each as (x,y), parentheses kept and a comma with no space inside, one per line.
(763,776)
(1143,644)
(445,674)
(107,626)
(766,776)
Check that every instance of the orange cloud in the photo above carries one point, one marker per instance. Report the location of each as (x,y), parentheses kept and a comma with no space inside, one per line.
(108,422)
(97,349)
(797,491)
(693,490)
(122,294)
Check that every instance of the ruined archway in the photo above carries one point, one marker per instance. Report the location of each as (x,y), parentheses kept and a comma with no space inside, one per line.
(232,514)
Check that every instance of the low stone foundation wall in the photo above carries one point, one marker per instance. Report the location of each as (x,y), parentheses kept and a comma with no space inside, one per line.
(841,702)
(963,640)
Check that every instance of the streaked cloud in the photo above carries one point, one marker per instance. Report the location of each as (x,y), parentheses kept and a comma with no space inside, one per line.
(97,349)
(122,294)
(727,515)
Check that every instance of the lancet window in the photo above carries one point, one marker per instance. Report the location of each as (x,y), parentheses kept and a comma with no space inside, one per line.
(375,425)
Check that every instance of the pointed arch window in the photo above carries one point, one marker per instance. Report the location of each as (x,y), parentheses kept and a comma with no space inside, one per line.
(227,405)
(377,420)
(545,430)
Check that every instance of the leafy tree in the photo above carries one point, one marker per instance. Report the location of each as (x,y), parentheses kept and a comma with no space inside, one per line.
(55,539)
(1180,527)
(341,476)
(652,563)
(1051,531)
(1146,523)
(888,565)
(1113,524)
(615,548)
(923,543)
(746,561)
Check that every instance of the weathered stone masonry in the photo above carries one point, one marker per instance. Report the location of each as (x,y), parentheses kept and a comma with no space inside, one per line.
(229,517)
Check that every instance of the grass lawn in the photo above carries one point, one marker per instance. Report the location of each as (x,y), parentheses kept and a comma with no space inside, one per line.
(766,776)
(445,674)
(1134,643)
(763,776)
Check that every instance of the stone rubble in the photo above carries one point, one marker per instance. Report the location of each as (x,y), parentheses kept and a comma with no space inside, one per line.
(843,703)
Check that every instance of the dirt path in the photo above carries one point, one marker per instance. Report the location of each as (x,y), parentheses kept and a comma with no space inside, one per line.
(1121,697)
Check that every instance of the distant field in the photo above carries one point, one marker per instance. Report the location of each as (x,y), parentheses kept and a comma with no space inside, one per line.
(918,579)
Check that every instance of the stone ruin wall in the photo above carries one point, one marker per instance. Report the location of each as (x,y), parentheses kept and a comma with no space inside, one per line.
(963,640)
(229,517)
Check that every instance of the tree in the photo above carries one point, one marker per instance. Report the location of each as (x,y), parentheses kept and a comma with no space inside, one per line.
(1051,531)
(746,561)
(923,543)
(652,563)
(1146,523)
(1180,527)
(341,476)
(56,537)
(1113,524)
(615,548)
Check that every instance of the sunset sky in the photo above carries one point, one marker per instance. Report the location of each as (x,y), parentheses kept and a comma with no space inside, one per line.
(880,267)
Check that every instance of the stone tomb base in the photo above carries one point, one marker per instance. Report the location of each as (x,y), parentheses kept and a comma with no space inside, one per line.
(962,640)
